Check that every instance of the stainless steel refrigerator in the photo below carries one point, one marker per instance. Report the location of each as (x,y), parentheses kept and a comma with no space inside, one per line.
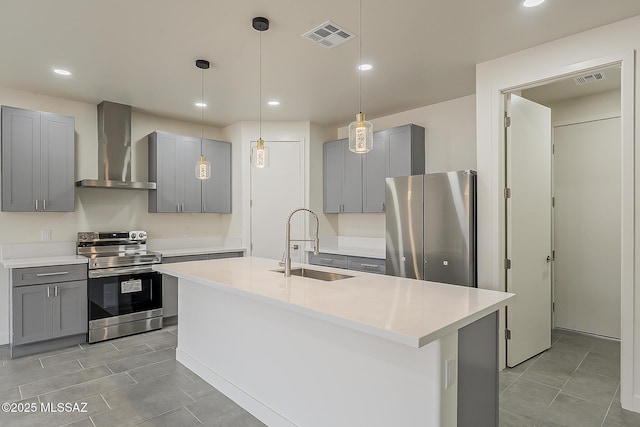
(431,227)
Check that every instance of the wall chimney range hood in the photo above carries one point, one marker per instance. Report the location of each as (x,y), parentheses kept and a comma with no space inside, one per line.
(114,150)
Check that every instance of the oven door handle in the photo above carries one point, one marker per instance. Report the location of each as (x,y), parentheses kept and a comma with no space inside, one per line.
(110,272)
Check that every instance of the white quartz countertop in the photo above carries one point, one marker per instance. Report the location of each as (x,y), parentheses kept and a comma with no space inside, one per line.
(198,251)
(44,261)
(407,311)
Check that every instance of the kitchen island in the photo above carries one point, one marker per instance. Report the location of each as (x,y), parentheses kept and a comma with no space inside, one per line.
(366,350)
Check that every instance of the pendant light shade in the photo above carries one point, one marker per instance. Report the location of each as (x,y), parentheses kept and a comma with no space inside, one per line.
(260,153)
(360,131)
(203,168)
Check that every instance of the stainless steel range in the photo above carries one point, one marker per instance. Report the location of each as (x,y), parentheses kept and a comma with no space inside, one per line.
(125,294)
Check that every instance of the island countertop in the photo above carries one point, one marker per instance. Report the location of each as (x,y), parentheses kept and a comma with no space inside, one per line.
(407,311)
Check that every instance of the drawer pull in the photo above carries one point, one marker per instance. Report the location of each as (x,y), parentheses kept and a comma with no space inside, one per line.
(58,273)
(369,266)
(325,259)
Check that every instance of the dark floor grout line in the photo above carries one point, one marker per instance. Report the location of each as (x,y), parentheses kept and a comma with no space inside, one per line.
(194,415)
(105,402)
(610,405)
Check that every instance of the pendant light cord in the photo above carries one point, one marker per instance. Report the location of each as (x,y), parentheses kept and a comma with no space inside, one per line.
(360,61)
(260,86)
(202,101)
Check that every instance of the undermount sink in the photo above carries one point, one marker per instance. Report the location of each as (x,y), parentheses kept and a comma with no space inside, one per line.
(315,274)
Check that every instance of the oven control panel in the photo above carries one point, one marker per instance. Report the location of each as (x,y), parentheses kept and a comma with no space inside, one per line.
(112,236)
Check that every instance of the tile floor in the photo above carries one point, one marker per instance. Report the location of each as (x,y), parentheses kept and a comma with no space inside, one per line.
(575,383)
(137,381)
(128,381)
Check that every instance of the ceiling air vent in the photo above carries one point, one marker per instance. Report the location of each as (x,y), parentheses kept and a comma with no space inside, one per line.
(328,35)
(589,78)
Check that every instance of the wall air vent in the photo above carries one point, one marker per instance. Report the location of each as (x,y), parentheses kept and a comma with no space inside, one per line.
(590,78)
(328,35)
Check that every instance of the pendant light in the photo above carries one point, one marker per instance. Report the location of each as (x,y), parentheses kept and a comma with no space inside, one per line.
(260,153)
(360,131)
(203,168)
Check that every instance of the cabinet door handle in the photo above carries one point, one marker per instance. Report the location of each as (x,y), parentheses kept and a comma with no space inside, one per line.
(55,291)
(44,204)
(383,207)
(48,292)
(36,204)
(369,266)
(57,273)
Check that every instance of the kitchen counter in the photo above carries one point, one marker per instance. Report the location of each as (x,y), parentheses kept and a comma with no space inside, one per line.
(368,247)
(198,251)
(367,350)
(43,261)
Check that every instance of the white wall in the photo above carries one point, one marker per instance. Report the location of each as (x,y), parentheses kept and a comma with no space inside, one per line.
(450,138)
(603,46)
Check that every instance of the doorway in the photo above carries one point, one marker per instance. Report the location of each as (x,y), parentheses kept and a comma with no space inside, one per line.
(275,192)
(585,280)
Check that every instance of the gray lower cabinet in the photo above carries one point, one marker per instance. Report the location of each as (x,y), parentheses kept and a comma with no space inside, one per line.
(356,182)
(170,283)
(172,162)
(37,161)
(49,308)
(370,265)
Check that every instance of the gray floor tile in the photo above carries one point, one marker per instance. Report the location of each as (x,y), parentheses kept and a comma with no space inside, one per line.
(160,368)
(140,402)
(235,419)
(10,395)
(178,417)
(570,411)
(509,419)
(520,368)
(602,365)
(527,398)
(607,348)
(140,360)
(549,372)
(38,374)
(63,381)
(506,378)
(149,337)
(592,387)
(113,356)
(85,422)
(199,389)
(566,353)
(618,417)
(578,340)
(90,388)
(76,354)
(213,407)
(19,365)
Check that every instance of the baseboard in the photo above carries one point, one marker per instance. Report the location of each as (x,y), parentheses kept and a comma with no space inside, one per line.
(233,392)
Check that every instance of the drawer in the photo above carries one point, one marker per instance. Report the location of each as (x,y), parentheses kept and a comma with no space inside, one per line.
(329,260)
(48,274)
(370,265)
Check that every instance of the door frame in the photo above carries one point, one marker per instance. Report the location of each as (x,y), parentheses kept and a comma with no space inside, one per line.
(626,61)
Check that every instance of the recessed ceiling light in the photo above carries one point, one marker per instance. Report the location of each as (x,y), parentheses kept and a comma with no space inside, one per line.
(365,67)
(274,103)
(532,3)
(62,72)
(200,104)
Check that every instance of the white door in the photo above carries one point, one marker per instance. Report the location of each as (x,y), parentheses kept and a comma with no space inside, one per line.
(587,243)
(528,230)
(275,192)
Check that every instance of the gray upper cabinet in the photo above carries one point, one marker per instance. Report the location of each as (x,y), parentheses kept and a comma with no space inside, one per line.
(342,178)
(172,161)
(216,191)
(356,182)
(37,161)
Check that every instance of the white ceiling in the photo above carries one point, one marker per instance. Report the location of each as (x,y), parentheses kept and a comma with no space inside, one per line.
(143,52)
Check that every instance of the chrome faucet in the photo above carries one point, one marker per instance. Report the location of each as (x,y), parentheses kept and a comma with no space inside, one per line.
(288,240)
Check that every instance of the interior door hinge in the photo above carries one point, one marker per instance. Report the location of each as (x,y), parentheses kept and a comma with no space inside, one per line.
(507,334)
(507,121)
(507,263)
(553,149)
(553,202)
(507,193)
(553,307)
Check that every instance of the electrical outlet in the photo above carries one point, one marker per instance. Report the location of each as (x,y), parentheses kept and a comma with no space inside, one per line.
(45,234)
(449,373)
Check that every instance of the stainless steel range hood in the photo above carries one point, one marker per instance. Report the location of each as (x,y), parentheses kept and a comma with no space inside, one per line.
(114,150)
